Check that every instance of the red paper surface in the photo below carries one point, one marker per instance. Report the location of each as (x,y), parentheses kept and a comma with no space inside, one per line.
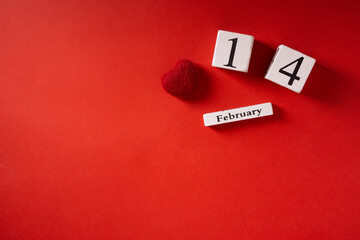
(91,146)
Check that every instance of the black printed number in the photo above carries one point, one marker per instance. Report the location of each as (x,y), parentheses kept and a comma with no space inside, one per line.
(292,75)
(232,53)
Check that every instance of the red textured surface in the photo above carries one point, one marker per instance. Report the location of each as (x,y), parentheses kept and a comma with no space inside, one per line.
(182,81)
(92,147)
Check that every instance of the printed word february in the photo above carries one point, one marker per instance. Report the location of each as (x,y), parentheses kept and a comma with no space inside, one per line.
(238,114)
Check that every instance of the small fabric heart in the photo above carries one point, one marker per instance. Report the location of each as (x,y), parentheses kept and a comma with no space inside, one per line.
(182,81)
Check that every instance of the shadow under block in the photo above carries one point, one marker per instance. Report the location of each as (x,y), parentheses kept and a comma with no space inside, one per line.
(238,114)
(232,51)
(290,68)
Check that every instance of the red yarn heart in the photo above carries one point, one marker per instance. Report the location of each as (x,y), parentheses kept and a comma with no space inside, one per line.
(182,81)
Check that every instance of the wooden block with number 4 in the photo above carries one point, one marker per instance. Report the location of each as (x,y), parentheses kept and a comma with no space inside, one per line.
(290,68)
(232,51)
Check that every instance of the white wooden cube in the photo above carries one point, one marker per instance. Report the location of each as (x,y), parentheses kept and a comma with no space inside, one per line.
(290,68)
(233,51)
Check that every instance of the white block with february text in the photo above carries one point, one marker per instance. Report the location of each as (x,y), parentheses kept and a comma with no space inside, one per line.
(238,114)
(232,51)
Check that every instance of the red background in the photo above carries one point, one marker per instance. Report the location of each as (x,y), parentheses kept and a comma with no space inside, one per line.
(91,146)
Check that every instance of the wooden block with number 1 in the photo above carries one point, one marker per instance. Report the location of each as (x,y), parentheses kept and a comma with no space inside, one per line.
(290,68)
(232,51)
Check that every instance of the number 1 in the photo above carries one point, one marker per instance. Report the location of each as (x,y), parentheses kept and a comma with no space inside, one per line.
(232,53)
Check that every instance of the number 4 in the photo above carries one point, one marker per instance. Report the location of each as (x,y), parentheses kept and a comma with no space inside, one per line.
(292,75)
